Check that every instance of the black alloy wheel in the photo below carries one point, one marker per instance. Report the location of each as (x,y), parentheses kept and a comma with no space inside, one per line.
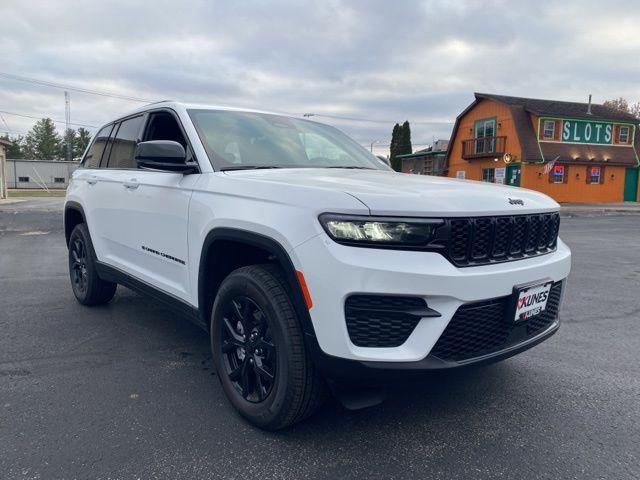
(87,286)
(249,353)
(259,351)
(78,252)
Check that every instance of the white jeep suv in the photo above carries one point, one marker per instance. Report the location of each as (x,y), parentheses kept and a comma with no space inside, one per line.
(308,260)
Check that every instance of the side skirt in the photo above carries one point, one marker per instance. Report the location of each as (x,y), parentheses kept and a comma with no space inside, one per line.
(179,306)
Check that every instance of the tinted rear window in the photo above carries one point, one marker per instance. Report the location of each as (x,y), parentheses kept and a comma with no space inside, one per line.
(92,159)
(124,144)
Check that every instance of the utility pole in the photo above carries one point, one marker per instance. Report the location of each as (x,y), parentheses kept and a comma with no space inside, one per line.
(67,119)
(3,174)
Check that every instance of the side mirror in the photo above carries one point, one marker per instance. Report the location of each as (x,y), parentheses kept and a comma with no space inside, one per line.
(162,155)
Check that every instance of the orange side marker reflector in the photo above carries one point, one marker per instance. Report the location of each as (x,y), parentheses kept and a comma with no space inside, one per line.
(305,289)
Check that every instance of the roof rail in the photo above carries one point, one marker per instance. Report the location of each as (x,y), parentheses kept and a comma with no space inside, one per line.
(161,101)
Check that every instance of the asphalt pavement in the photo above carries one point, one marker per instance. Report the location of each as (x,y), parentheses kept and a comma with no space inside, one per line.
(127,390)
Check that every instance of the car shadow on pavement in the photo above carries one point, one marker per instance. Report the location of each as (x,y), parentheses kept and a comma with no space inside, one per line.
(440,397)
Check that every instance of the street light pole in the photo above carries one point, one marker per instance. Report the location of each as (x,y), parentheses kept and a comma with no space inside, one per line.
(373,143)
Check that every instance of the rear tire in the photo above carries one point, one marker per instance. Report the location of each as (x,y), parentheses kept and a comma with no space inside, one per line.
(259,351)
(87,286)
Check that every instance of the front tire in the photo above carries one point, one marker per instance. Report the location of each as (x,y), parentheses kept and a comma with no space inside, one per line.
(259,352)
(87,286)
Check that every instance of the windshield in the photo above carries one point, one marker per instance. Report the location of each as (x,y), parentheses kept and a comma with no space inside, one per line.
(242,140)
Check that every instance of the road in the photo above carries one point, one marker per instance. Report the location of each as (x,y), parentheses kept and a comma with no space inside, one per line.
(127,390)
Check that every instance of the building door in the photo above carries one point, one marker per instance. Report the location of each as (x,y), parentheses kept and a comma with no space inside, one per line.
(513,175)
(631,185)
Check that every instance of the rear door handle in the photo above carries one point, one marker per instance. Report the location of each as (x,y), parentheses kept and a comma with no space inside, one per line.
(131,184)
(92,180)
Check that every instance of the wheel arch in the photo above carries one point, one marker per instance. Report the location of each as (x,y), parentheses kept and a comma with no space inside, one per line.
(73,215)
(277,254)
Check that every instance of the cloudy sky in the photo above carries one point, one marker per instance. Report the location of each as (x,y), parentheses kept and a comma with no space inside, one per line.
(383,61)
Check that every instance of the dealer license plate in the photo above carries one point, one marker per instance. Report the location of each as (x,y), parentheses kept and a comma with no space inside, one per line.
(532,301)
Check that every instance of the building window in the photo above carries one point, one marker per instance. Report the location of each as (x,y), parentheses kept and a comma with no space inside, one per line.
(549,129)
(594,174)
(557,174)
(623,134)
(58,180)
(23,179)
(489,175)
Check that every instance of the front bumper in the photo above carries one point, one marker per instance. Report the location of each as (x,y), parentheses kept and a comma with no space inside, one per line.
(375,374)
(333,272)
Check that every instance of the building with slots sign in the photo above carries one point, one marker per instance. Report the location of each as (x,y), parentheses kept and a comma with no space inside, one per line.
(574,152)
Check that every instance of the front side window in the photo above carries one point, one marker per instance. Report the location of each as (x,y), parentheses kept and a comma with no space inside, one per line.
(242,140)
(557,174)
(93,156)
(549,129)
(623,135)
(489,175)
(594,174)
(124,144)
(163,126)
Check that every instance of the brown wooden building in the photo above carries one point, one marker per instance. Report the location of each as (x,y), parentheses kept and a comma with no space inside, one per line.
(590,151)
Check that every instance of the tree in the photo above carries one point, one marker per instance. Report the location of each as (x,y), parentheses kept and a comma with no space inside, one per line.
(405,139)
(623,105)
(400,144)
(15,149)
(83,138)
(68,141)
(393,149)
(43,142)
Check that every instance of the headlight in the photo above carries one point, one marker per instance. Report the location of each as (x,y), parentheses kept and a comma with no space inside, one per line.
(410,232)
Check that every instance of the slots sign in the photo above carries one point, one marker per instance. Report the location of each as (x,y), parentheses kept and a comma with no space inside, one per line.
(584,131)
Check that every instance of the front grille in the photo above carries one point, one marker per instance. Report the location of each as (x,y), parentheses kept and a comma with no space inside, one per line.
(482,240)
(482,328)
(381,320)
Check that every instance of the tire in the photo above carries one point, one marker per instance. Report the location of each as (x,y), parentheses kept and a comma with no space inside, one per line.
(255,334)
(87,286)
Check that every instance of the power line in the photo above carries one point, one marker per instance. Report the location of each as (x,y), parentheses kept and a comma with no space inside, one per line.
(61,86)
(53,120)
(105,93)
(369,120)
(5,122)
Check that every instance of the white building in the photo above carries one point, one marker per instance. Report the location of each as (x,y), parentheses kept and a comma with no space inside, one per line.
(38,174)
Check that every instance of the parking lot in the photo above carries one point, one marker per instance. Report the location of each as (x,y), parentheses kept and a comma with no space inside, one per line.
(127,390)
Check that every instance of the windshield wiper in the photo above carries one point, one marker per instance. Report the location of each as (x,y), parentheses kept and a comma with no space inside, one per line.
(248,167)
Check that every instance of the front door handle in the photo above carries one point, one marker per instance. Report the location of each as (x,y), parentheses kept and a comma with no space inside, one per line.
(92,180)
(131,184)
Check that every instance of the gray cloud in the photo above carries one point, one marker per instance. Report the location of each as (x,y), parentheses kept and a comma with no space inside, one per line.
(400,60)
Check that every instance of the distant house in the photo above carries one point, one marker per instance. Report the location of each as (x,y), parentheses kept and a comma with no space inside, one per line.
(574,152)
(430,161)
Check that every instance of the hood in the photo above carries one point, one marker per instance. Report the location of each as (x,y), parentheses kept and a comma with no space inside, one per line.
(392,193)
